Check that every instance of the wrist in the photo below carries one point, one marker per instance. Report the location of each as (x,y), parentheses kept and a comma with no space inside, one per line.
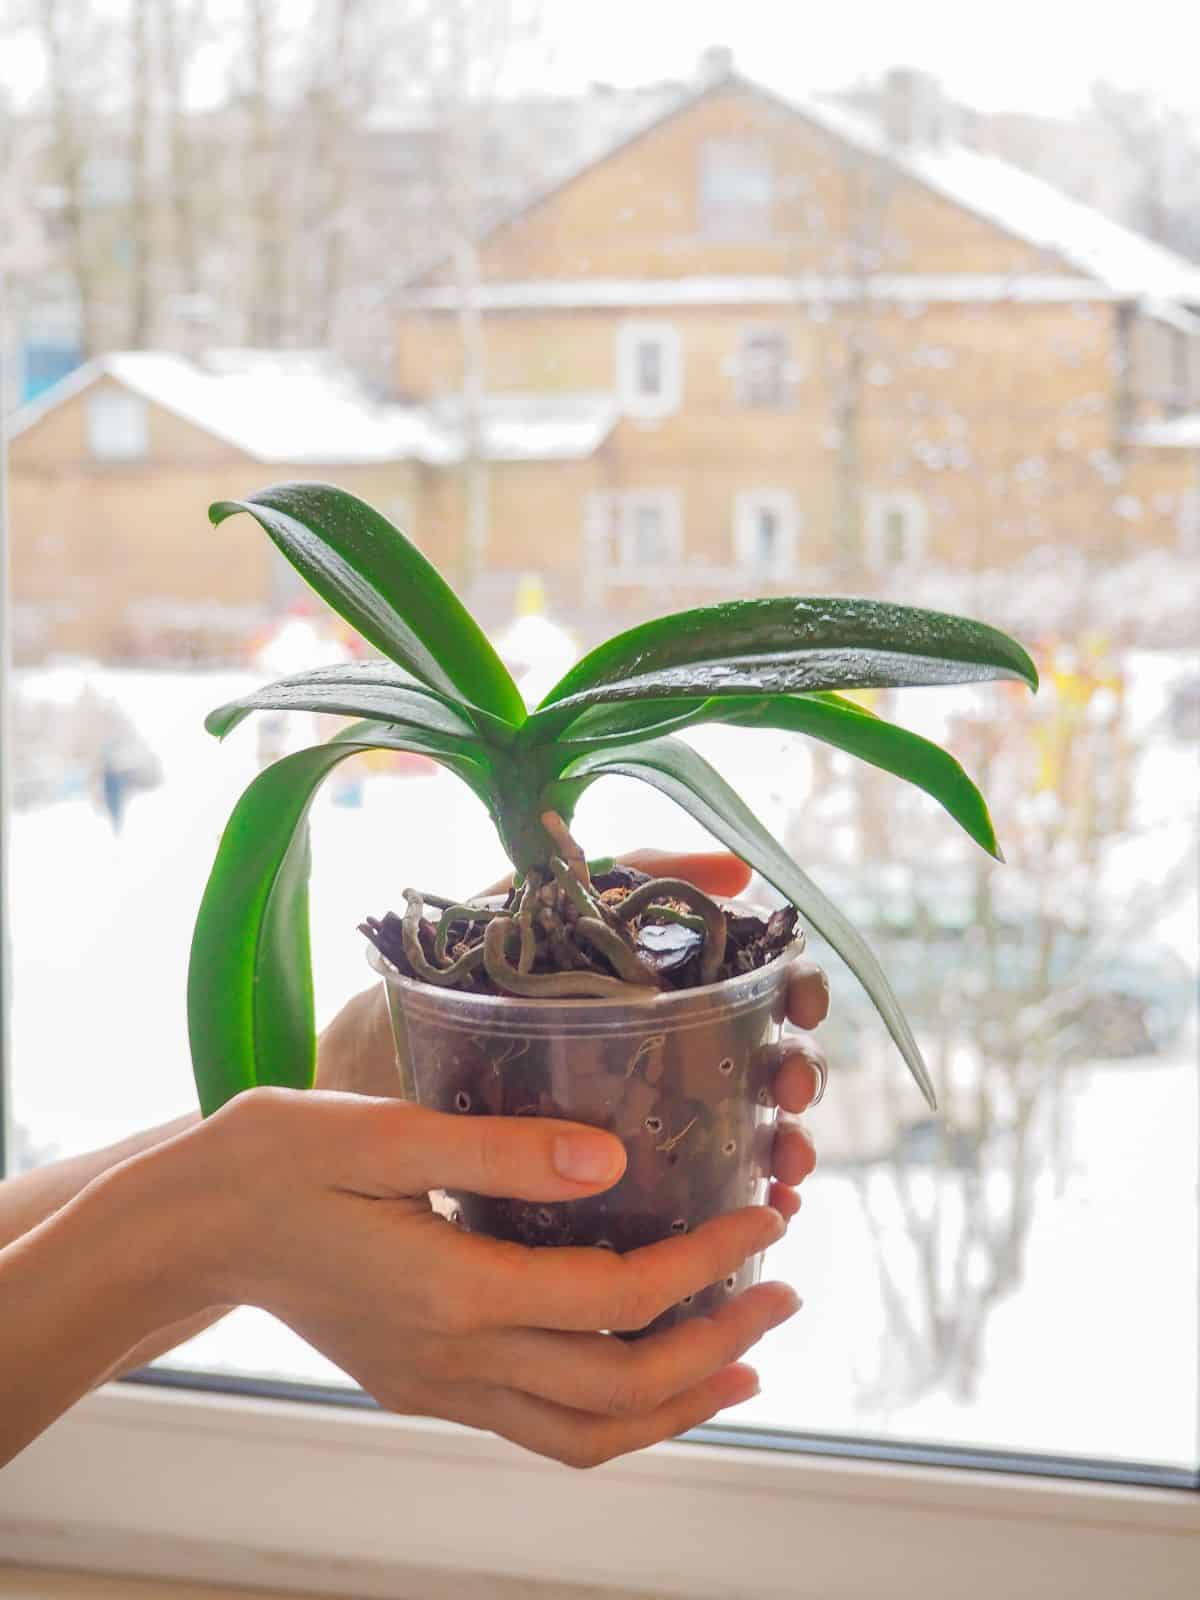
(171,1206)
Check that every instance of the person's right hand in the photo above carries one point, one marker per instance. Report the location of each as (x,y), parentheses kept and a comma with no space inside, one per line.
(317,1210)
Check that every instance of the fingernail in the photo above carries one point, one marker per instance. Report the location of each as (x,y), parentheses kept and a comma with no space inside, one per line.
(821,1073)
(587,1157)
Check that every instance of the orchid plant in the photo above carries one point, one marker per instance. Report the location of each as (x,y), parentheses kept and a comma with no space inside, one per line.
(442,691)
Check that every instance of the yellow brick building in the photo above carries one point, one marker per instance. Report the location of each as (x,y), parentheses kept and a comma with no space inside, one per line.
(758,346)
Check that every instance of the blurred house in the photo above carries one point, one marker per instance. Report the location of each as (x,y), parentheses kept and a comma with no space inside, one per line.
(840,350)
(752,345)
(112,471)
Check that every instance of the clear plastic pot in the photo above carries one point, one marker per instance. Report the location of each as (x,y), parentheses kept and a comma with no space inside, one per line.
(683,1079)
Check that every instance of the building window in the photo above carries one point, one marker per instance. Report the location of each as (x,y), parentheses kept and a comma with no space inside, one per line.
(896,526)
(649,368)
(736,189)
(634,532)
(1189,522)
(116,425)
(764,532)
(764,371)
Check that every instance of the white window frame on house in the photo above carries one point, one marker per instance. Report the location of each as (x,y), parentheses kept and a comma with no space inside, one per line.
(116,424)
(771,388)
(748,506)
(881,506)
(611,531)
(635,398)
(1188,521)
(735,189)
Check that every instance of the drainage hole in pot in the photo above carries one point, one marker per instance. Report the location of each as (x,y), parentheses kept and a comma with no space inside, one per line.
(728,1148)
(729,1282)
(726,1065)
(679,1225)
(653,1124)
(462,1101)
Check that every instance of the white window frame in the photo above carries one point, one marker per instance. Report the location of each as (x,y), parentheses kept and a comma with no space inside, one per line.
(1188,521)
(172,1482)
(610,531)
(879,507)
(747,504)
(789,371)
(118,402)
(635,401)
(734,222)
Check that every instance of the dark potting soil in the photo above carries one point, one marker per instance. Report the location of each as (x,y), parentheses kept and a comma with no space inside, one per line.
(670,948)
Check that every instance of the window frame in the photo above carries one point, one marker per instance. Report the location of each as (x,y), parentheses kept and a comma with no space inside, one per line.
(609,534)
(729,224)
(747,503)
(131,1473)
(631,333)
(788,370)
(126,1480)
(107,393)
(880,503)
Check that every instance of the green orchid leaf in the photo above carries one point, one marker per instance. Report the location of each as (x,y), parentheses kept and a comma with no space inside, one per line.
(783,646)
(250,992)
(616,723)
(833,720)
(372,693)
(680,773)
(378,580)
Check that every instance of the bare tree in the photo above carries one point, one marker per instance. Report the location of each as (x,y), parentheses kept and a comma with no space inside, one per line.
(1159,146)
(141,221)
(266,311)
(61,30)
(181,25)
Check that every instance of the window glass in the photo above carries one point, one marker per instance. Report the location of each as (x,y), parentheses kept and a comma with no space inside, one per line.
(736,188)
(649,368)
(547,295)
(763,369)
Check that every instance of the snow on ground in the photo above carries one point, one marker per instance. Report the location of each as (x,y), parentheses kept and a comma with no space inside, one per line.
(1094,1353)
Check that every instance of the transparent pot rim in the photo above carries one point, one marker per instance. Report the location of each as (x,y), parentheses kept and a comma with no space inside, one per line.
(484,1012)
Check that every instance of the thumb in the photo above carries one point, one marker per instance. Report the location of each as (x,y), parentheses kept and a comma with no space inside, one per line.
(408,1149)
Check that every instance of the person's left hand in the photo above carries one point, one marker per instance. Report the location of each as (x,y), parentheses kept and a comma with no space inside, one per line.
(357,1056)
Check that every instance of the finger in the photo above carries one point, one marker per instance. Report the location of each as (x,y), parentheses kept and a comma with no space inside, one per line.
(808,995)
(595,1372)
(800,1077)
(581,1440)
(575,1288)
(784,1199)
(715,871)
(793,1155)
(390,1147)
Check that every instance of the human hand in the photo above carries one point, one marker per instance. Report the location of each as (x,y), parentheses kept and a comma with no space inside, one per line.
(318,1211)
(357,1054)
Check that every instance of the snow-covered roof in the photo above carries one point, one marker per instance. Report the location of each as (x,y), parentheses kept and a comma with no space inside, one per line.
(732,289)
(536,427)
(297,408)
(287,407)
(1171,433)
(1026,207)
